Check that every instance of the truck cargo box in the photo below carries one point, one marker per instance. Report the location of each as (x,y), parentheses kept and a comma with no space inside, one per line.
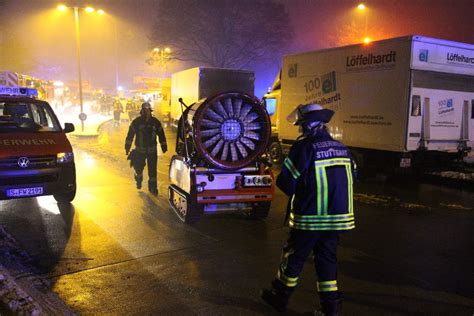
(405,95)
(197,83)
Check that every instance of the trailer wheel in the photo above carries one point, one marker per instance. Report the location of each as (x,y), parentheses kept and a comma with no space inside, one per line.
(260,210)
(275,151)
(65,197)
(180,201)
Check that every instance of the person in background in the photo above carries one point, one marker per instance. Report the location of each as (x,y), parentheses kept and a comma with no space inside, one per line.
(145,129)
(118,110)
(131,109)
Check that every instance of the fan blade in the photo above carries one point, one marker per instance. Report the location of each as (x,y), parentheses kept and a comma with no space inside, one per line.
(237,107)
(245,110)
(252,135)
(218,147)
(214,116)
(209,123)
(248,142)
(250,118)
(253,126)
(228,107)
(208,143)
(241,148)
(220,109)
(210,132)
(233,152)
(225,151)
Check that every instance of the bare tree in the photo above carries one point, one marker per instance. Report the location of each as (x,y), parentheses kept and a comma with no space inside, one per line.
(222,33)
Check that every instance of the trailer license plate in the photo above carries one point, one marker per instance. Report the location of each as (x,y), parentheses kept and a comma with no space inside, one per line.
(25,192)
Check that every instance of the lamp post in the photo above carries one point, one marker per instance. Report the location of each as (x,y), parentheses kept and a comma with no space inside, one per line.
(78,54)
(117,81)
(363,8)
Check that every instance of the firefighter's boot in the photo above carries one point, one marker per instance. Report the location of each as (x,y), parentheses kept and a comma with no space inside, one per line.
(138,180)
(152,187)
(330,305)
(278,296)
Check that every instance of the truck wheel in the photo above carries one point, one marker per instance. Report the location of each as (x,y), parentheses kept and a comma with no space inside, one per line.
(276,153)
(187,211)
(260,210)
(65,197)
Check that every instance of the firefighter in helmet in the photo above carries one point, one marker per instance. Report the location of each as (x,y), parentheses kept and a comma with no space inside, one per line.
(131,109)
(317,176)
(118,110)
(145,129)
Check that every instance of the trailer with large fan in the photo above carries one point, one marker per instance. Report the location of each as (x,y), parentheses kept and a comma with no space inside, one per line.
(220,162)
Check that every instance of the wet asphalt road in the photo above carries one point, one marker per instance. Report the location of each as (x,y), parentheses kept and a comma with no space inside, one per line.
(117,250)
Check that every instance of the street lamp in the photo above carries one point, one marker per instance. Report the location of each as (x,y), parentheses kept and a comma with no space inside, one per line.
(62,7)
(159,56)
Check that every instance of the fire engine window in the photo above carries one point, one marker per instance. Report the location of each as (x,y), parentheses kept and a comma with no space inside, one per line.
(415,105)
(26,116)
(42,117)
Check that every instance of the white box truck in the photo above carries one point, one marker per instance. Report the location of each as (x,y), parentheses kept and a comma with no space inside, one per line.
(201,82)
(400,102)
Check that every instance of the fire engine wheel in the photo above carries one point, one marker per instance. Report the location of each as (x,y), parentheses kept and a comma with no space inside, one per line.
(260,210)
(65,197)
(232,130)
(180,201)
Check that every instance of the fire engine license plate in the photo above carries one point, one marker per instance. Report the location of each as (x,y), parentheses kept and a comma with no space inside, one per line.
(25,192)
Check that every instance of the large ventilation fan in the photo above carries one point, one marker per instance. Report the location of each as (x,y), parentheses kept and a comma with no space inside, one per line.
(230,130)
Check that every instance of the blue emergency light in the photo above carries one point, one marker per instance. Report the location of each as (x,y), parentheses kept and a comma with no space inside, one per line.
(19,91)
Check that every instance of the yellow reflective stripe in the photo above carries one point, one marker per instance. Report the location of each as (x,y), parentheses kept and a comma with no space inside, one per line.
(290,163)
(291,167)
(299,217)
(349,189)
(290,282)
(322,182)
(324,220)
(325,192)
(327,286)
(318,187)
(348,223)
(320,229)
(322,226)
(333,160)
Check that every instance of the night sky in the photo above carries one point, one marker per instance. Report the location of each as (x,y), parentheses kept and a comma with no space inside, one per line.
(119,40)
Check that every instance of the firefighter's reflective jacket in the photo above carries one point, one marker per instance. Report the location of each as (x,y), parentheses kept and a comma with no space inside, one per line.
(318,175)
(145,133)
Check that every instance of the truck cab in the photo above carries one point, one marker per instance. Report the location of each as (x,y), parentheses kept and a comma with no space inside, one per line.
(272,100)
(36,158)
